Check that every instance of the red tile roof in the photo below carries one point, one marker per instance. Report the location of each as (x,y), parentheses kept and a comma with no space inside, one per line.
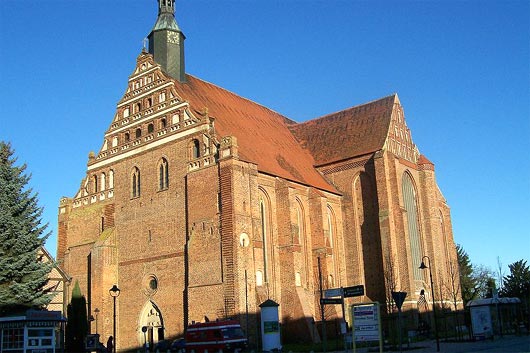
(349,133)
(263,136)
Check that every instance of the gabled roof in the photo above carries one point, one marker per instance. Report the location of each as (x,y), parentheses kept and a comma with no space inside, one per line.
(263,136)
(356,131)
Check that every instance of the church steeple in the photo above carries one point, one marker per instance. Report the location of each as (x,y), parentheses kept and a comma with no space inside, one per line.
(166,41)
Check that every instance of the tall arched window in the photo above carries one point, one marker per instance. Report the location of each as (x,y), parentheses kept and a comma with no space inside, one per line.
(330,241)
(95,179)
(302,264)
(138,133)
(411,208)
(163,175)
(150,128)
(299,225)
(331,227)
(135,182)
(264,217)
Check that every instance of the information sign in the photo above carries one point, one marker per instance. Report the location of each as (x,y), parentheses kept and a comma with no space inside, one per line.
(354,291)
(366,322)
(325,301)
(334,292)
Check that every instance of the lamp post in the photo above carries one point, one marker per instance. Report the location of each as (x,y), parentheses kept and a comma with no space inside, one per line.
(96,311)
(422,267)
(114,293)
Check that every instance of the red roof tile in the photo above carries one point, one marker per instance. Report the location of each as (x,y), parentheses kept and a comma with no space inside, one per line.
(349,133)
(263,136)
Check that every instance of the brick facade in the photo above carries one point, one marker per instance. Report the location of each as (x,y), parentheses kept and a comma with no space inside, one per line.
(201,203)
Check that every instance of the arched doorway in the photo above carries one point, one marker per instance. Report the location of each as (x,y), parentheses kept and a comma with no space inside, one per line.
(151,325)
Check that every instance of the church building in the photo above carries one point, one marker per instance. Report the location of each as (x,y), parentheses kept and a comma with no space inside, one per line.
(203,204)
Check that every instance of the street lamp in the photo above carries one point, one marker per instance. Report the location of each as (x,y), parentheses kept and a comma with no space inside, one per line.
(96,311)
(114,293)
(423,267)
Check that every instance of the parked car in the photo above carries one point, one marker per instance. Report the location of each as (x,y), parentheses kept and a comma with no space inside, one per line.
(175,346)
(178,346)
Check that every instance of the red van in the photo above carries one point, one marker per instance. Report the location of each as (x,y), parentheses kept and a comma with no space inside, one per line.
(215,336)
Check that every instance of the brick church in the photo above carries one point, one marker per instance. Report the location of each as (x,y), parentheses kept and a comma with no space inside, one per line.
(201,203)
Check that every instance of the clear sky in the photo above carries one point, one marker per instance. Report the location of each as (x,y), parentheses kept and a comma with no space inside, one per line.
(461,70)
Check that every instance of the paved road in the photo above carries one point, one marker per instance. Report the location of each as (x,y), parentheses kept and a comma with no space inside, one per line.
(506,344)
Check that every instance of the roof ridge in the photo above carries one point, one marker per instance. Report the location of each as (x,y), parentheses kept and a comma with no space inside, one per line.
(393,95)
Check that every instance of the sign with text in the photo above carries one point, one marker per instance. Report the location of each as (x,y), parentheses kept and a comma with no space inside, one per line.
(366,322)
(354,291)
(334,292)
(325,301)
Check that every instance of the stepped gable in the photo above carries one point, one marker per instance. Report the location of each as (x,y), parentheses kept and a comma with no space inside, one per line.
(263,136)
(356,131)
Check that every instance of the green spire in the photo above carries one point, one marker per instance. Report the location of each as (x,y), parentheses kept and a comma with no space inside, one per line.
(166,41)
(166,16)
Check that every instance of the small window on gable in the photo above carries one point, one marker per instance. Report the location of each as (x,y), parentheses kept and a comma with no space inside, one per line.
(111,179)
(115,141)
(135,183)
(127,137)
(175,119)
(163,123)
(126,112)
(150,128)
(103,181)
(138,133)
(138,107)
(149,102)
(162,97)
(196,149)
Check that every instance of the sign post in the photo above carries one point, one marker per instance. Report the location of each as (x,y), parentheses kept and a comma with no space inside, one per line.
(366,320)
(399,298)
(330,297)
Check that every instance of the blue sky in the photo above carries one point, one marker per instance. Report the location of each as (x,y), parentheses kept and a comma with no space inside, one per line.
(460,68)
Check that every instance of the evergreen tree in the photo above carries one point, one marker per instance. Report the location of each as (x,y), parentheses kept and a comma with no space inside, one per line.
(22,275)
(467,281)
(517,283)
(77,322)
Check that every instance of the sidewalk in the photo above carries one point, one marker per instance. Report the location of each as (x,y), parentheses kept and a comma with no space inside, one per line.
(506,344)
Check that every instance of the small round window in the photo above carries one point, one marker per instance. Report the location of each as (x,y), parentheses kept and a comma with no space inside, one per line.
(150,284)
(153,283)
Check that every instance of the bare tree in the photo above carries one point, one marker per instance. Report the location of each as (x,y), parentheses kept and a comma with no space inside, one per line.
(390,281)
(454,288)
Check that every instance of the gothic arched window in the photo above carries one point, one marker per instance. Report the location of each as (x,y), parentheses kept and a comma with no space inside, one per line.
(264,210)
(411,209)
(163,175)
(135,183)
